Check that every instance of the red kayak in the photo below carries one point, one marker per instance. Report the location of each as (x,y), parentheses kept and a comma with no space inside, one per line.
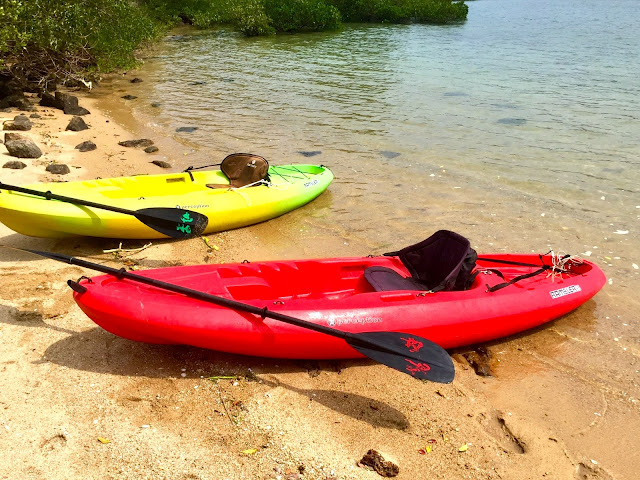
(472,299)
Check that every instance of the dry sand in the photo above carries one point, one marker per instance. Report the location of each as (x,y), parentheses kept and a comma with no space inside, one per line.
(78,402)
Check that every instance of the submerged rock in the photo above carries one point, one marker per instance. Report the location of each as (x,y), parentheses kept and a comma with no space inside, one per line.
(388,154)
(161,164)
(311,153)
(513,121)
(129,97)
(151,149)
(186,129)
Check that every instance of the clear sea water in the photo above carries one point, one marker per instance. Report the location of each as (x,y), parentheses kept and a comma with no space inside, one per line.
(519,128)
(528,104)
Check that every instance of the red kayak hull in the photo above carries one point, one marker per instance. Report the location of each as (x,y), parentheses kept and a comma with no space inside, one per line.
(331,292)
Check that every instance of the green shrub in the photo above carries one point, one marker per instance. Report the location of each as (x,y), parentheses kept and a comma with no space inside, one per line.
(401,11)
(302,15)
(59,38)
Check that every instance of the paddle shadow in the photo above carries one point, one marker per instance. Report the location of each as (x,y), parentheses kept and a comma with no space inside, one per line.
(85,247)
(28,319)
(99,351)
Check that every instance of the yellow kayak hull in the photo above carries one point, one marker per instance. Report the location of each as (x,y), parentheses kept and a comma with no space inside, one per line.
(290,187)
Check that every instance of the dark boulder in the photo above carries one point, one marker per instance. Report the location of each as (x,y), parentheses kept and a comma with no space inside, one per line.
(70,104)
(49,100)
(86,146)
(15,165)
(17,100)
(161,164)
(58,168)
(151,149)
(20,122)
(21,147)
(77,124)
(141,143)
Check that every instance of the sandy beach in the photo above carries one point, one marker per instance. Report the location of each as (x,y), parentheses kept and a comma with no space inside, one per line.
(80,403)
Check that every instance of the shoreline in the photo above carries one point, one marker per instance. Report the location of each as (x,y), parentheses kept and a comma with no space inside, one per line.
(79,402)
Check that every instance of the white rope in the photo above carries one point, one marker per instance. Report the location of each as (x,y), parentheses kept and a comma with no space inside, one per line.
(561,263)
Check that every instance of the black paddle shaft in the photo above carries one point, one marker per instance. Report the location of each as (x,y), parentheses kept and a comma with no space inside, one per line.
(405,352)
(172,222)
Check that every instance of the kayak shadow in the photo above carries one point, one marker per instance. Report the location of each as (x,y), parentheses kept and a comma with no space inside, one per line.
(99,351)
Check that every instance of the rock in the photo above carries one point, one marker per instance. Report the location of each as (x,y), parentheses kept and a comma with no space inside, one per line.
(388,154)
(21,147)
(156,105)
(9,136)
(15,165)
(375,461)
(480,360)
(35,115)
(86,146)
(20,122)
(77,124)
(143,142)
(151,149)
(129,97)
(136,80)
(70,104)
(9,87)
(58,168)
(312,153)
(186,129)
(161,164)
(20,102)
(513,121)
(49,100)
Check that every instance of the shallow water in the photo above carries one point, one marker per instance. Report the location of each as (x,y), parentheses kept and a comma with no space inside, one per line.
(519,129)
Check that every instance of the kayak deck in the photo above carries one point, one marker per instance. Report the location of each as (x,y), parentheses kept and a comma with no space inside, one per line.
(289,187)
(330,292)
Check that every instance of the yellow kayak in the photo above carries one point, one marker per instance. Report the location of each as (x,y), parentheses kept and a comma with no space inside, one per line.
(209,193)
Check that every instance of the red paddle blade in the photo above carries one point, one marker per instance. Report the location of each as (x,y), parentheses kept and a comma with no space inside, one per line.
(410,354)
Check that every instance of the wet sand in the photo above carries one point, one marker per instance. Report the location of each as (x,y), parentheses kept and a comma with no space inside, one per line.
(78,402)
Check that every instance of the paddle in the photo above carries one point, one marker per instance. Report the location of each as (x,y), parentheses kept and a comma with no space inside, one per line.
(404,352)
(172,222)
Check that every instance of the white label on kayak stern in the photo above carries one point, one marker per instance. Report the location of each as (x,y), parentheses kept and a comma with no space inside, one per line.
(565,291)
(311,183)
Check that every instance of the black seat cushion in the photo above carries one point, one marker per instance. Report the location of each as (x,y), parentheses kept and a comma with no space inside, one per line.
(384,279)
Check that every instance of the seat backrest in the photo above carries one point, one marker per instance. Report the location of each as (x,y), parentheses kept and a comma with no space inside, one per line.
(443,261)
(244,169)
